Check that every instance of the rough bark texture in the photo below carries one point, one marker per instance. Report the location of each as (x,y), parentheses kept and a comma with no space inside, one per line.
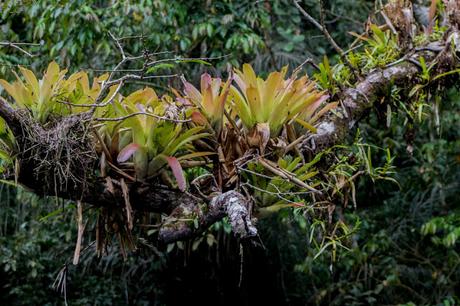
(194,219)
(357,101)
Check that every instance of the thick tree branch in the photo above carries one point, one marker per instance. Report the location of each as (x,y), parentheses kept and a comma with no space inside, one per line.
(10,116)
(70,171)
(188,220)
(357,101)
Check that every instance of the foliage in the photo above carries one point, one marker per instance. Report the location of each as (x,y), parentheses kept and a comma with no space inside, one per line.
(141,131)
(210,101)
(404,251)
(146,137)
(42,97)
(272,32)
(401,246)
(138,126)
(447,227)
(37,242)
(273,192)
(275,101)
(381,49)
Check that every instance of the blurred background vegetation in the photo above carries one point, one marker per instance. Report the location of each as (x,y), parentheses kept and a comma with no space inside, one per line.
(405,251)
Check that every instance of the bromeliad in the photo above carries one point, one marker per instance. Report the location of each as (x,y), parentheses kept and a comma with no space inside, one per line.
(147,138)
(267,105)
(54,94)
(209,103)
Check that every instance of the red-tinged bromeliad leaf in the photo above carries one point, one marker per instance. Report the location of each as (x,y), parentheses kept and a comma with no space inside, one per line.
(177,172)
(127,152)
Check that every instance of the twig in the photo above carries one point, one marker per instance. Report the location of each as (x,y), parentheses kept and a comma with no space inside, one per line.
(141,72)
(142,113)
(106,84)
(112,97)
(356,22)
(295,142)
(117,42)
(121,172)
(307,61)
(165,60)
(326,33)
(353,48)
(129,77)
(285,174)
(388,22)
(17,46)
(128,208)
(278,195)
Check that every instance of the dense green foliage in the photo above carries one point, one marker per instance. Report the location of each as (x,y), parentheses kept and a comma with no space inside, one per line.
(75,33)
(406,247)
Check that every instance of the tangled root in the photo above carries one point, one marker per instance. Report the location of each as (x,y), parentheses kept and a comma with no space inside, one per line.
(61,154)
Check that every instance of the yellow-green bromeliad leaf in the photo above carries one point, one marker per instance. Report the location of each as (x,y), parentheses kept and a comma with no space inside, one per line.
(276,100)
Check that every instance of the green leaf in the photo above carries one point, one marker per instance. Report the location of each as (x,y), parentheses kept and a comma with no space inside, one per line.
(160,67)
(52,214)
(446,74)
(193,60)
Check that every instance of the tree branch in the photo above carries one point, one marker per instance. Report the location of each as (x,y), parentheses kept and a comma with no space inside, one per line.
(10,116)
(356,101)
(187,220)
(70,173)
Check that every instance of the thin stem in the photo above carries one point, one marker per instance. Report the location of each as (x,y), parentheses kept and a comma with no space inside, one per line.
(142,113)
(326,33)
(17,46)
